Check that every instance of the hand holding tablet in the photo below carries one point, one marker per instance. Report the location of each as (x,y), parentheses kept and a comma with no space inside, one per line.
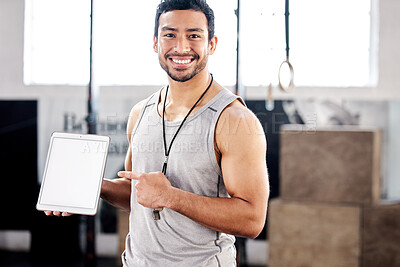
(73,174)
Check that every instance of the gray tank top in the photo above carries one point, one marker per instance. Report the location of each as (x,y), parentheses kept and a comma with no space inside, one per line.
(176,240)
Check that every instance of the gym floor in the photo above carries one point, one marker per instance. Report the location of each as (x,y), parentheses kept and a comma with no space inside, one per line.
(23,259)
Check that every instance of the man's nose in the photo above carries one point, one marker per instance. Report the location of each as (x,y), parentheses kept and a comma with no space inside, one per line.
(182,45)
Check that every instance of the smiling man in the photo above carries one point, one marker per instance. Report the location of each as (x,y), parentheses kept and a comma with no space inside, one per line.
(200,177)
(196,173)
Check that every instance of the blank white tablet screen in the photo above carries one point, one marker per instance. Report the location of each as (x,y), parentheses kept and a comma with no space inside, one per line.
(73,171)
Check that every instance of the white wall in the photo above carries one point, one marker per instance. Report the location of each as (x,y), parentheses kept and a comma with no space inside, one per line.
(394,150)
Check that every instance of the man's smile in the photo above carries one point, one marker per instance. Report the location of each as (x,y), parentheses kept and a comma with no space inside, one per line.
(181,61)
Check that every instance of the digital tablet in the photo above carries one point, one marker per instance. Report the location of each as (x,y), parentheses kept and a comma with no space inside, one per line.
(73,173)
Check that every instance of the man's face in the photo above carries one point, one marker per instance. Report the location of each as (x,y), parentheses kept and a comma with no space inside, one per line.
(182,44)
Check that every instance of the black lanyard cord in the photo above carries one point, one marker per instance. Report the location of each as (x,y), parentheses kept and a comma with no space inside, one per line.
(166,151)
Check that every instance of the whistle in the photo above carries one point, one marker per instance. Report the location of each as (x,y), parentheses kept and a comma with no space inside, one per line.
(156,213)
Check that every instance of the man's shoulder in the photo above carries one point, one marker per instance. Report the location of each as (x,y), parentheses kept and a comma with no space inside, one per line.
(135,112)
(238,123)
(237,110)
(137,108)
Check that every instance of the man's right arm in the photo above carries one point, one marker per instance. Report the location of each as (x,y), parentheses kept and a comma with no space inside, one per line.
(117,192)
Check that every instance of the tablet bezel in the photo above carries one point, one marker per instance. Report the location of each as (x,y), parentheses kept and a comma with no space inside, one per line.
(72,209)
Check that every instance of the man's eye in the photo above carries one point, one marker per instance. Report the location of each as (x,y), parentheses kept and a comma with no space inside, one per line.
(170,35)
(194,36)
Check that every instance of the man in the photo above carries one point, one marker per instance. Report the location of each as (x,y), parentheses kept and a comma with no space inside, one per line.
(210,147)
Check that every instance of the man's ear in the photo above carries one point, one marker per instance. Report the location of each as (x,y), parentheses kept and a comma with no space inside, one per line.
(155,44)
(212,45)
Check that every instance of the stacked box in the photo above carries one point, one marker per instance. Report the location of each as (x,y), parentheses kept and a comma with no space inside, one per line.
(339,165)
(381,235)
(313,234)
(329,212)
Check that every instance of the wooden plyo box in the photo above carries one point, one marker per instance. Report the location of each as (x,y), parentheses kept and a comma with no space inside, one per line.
(331,235)
(313,235)
(330,165)
(381,235)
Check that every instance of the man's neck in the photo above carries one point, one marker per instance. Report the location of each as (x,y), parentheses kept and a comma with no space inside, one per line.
(186,93)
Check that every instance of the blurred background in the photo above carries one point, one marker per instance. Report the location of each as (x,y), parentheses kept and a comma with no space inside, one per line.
(333,141)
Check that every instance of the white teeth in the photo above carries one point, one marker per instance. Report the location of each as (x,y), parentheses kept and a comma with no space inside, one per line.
(181,61)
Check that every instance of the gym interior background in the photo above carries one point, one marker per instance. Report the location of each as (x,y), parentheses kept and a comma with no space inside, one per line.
(335,185)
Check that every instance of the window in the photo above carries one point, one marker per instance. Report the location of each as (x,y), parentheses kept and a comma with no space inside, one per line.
(57,36)
(57,42)
(337,35)
(329,42)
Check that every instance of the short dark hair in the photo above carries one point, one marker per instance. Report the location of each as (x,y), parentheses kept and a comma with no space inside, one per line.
(196,5)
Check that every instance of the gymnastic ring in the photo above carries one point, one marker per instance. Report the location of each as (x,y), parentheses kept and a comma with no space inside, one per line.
(291,84)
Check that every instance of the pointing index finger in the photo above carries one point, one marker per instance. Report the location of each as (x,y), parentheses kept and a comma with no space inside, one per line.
(128,175)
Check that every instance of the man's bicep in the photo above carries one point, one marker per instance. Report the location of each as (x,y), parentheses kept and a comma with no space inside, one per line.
(243,160)
(128,159)
(245,177)
(132,121)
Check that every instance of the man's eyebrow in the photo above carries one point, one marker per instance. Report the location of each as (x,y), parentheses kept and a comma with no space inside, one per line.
(195,30)
(168,29)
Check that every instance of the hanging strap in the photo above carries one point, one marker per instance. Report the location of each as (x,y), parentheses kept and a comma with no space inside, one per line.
(290,87)
(287,28)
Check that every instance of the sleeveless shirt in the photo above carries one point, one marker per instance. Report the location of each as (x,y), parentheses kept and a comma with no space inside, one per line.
(176,240)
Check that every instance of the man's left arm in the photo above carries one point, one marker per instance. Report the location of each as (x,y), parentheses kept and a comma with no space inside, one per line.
(241,142)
